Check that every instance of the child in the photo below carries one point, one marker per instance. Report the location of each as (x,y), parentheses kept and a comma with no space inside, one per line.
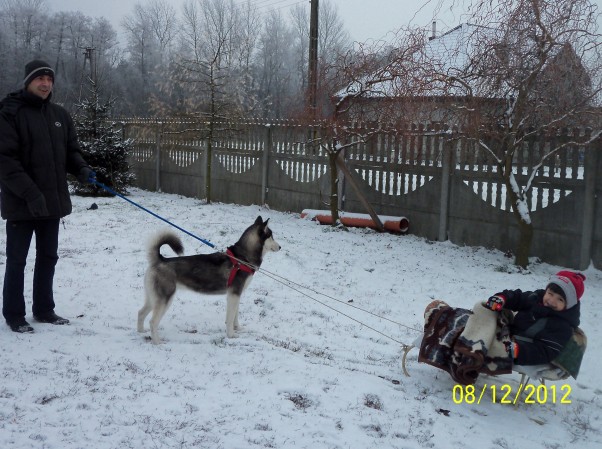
(545,320)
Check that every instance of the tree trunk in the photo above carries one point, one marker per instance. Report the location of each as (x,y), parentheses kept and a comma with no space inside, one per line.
(208,167)
(524,244)
(212,123)
(525,228)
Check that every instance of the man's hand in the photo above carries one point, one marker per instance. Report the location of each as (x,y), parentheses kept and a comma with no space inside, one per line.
(37,207)
(86,175)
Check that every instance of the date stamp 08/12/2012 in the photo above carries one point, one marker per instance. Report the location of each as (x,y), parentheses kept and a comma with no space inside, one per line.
(507,394)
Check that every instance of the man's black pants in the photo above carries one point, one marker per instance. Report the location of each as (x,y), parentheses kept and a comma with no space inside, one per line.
(18,241)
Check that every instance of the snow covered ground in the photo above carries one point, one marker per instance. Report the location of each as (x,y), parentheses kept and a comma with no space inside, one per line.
(301,375)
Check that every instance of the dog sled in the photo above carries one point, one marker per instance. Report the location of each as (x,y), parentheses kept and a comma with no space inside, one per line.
(466,343)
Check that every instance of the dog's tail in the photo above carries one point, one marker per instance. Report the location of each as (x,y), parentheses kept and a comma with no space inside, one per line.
(163,238)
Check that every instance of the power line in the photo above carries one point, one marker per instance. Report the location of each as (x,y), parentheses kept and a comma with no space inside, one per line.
(292,4)
(276,2)
(258,3)
(267,4)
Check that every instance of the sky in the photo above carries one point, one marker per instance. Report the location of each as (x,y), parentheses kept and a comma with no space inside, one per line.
(317,364)
(364,19)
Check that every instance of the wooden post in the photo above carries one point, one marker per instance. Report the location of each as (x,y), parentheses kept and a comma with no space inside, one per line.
(358,191)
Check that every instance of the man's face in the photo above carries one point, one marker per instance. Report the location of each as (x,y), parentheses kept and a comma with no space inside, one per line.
(41,86)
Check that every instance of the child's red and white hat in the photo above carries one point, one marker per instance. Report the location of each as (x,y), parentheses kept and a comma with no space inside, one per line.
(571,284)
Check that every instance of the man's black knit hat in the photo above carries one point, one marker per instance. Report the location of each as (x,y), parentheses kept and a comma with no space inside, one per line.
(36,68)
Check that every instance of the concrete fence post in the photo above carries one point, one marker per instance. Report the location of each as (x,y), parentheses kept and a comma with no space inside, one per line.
(341,178)
(446,167)
(158,137)
(205,166)
(267,148)
(590,167)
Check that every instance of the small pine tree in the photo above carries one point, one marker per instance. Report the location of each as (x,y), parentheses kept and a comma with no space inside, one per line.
(103,148)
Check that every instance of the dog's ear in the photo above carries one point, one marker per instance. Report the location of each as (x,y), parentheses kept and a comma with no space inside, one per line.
(259,220)
(265,224)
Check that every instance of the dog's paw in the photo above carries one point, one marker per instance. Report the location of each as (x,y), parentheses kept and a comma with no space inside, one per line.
(232,334)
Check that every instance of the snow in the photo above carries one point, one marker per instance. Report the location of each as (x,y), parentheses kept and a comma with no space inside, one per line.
(301,374)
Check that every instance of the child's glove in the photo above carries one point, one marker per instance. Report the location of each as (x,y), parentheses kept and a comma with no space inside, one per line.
(495,303)
(512,349)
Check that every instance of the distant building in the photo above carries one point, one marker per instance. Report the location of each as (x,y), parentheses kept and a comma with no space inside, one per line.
(448,80)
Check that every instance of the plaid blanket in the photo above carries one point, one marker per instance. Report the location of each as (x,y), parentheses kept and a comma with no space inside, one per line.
(465,343)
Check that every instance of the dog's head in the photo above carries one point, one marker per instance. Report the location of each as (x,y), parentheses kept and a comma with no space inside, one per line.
(265,235)
(255,242)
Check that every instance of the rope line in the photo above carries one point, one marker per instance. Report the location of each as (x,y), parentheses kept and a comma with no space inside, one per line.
(286,283)
(276,277)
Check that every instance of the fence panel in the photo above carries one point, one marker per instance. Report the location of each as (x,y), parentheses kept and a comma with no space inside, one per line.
(401,171)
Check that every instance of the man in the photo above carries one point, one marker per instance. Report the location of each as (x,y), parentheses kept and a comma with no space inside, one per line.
(38,147)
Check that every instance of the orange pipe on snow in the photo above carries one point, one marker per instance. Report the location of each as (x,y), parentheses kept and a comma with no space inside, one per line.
(398,225)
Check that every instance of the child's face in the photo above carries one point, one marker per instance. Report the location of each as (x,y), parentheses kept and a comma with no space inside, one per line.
(553,300)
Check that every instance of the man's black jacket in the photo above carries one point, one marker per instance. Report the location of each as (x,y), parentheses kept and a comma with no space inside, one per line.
(38,147)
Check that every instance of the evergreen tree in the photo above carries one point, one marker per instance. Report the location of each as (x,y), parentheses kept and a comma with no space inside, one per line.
(103,147)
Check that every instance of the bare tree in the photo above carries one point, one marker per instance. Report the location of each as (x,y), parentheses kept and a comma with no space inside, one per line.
(139,38)
(300,28)
(521,68)
(275,67)
(24,27)
(24,19)
(163,22)
(377,80)
(246,38)
(70,34)
(215,43)
(386,82)
(534,66)
(208,72)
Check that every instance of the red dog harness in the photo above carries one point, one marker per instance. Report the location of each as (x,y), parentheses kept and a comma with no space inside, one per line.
(236,267)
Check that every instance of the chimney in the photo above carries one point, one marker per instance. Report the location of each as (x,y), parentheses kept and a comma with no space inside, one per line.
(434,33)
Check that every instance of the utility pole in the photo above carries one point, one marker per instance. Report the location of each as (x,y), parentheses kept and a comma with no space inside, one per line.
(313,58)
(90,55)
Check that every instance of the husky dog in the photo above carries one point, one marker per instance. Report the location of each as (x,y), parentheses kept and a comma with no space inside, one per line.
(213,274)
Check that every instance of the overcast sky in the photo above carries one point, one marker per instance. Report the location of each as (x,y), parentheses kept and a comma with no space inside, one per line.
(364,19)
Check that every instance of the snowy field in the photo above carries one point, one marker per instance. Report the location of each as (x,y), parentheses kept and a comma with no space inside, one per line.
(301,374)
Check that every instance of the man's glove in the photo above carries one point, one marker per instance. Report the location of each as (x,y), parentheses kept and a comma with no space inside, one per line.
(495,303)
(86,175)
(37,207)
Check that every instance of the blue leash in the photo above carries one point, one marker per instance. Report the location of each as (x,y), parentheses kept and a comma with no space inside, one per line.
(112,192)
